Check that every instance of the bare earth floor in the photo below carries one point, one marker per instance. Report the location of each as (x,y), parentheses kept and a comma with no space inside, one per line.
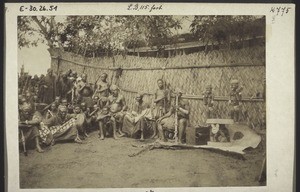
(106,164)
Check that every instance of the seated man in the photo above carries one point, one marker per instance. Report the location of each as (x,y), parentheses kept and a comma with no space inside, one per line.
(63,126)
(136,121)
(70,107)
(29,124)
(167,122)
(105,123)
(116,105)
(89,117)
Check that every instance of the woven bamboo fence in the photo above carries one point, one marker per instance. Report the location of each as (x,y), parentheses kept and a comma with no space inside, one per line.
(191,73)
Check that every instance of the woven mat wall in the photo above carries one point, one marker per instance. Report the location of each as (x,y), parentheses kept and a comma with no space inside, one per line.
(191,81)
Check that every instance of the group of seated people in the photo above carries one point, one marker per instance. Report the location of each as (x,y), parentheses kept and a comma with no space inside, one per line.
(103,109)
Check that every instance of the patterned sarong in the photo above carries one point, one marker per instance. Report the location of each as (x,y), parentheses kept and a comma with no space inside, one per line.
(47,133)
(62,128)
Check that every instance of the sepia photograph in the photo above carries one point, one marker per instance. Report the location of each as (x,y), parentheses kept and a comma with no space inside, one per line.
(153,98)
(149,98)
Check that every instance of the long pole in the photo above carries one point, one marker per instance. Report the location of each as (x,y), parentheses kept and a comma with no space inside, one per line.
(23,142)
(23,138)
(176,119)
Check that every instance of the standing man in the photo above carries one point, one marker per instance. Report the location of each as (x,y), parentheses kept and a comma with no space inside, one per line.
(64,86)
(85,91)
(167,122)
(161,101)
(208,99)
(49,87)
(102,90)
(235,99)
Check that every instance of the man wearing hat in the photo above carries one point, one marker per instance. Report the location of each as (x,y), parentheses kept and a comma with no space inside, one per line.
(167,122)
(29,123)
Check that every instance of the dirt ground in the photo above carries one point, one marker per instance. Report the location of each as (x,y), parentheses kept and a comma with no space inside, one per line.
(106,164)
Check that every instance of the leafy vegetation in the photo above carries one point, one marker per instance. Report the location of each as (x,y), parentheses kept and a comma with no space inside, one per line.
(94,36)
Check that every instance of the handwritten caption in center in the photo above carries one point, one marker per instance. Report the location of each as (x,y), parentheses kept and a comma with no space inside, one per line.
(144,7)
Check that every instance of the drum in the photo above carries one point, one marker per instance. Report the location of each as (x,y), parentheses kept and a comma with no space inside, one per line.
(115,107)
(87,92)
(80,119)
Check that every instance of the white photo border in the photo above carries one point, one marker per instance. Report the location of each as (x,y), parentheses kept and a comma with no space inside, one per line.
(280,83)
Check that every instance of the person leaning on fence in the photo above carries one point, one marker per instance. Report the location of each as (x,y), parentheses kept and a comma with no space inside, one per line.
(167,122)
(29,123)
(208,100)
(235,98)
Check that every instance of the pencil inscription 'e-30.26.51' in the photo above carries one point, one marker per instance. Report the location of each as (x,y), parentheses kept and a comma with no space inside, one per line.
(38,8)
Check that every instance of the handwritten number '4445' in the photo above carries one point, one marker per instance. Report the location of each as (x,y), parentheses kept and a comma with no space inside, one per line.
(283,10)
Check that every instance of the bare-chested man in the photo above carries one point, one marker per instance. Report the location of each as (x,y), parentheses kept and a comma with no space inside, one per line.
(85,91)
(102,91)
(167,122)
(117,106)
(161,101)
